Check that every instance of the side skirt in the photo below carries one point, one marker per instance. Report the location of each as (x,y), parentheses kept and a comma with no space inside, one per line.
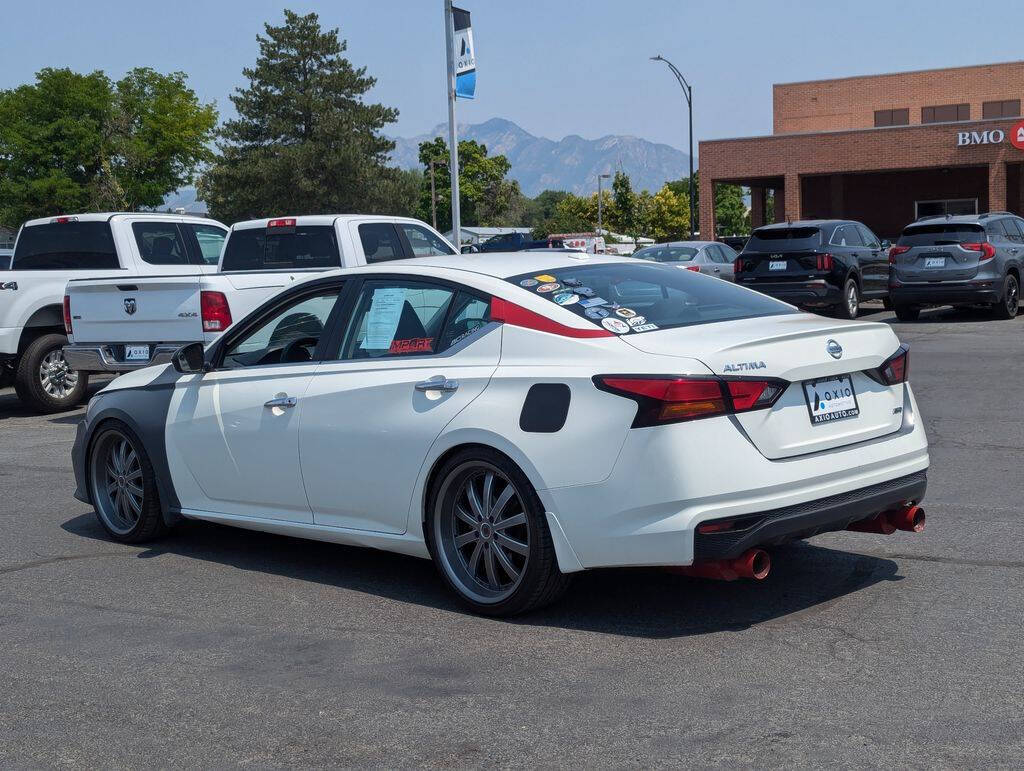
(399,543)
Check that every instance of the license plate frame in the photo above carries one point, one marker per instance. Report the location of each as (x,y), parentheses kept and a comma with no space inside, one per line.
(136,353)
(837,407)
(777,264)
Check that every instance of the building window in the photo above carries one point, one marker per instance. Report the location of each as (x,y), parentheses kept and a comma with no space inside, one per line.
(1008,108)
(899,117)
(952,206)
(945,113)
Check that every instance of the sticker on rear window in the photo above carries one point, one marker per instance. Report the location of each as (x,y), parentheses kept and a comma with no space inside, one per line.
(543,288)
(618,326)
(545,278)
(566,298)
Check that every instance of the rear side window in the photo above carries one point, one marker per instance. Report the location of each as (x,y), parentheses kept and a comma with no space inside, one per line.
(160,243)
(66,246)
(423,242)
(302,247)
(397,319)
(211,241)
(380,242)
(941,234)
(784,239)
(635,297)
(846,235)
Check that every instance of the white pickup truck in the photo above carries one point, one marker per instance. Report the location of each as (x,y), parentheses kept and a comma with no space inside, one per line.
(117,326)
(49,251)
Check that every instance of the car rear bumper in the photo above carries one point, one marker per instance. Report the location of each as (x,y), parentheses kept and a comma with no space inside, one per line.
(947,293)
(99,357)
(803,520)
(810,293)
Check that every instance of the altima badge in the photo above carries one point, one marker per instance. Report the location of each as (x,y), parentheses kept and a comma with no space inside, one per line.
(835,350)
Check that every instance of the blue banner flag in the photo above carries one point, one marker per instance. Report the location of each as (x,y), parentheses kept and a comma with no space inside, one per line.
(465,55)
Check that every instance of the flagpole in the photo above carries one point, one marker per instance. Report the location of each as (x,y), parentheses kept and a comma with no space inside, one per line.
(453,144)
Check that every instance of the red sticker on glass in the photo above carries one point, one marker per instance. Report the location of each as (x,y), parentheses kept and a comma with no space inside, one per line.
(413,345)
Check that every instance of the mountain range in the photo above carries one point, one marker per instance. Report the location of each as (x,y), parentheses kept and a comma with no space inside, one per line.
(572,163)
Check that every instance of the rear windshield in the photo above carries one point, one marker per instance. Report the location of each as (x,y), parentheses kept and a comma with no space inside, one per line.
(784,240)
(667,253)
(940,234)
(66,246)
(635,297)
(309,246)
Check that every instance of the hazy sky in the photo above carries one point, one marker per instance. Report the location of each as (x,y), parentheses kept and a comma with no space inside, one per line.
(557,67)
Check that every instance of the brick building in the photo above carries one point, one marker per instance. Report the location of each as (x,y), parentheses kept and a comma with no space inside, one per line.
(883,149)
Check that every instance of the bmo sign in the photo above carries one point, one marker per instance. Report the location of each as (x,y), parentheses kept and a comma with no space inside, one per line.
(992,137)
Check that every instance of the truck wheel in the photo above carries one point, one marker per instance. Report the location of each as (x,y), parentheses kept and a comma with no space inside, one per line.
(850,304)
(43,379)
(1007,307)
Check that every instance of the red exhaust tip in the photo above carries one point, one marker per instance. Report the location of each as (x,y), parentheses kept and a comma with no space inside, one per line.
(753,563)
(911,519)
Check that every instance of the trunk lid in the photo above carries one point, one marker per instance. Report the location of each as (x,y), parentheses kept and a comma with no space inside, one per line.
(935,253)
(159,309)
(794,348)
(784,253)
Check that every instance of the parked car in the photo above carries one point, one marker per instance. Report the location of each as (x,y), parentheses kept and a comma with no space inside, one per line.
(5,258)
(709,257)
(511,242)
(117,326)
(517,419)
(49,251)
(958,260)
(736,243)
(821,264)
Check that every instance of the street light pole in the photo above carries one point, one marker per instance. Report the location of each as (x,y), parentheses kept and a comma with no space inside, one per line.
(600,201)
(433,195)
(688,93)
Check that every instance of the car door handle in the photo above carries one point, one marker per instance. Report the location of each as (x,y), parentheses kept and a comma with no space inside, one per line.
(281,401)
(13,285)
(438,383)
(718,270)
(1011,250)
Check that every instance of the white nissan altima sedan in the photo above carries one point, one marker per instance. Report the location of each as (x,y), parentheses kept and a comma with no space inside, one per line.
(518,418)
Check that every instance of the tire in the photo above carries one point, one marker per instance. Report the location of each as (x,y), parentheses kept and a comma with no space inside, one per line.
(43,380)
(887,303)
(116,465)
(472,552)
(1008,306)
(906,312)
(849,306)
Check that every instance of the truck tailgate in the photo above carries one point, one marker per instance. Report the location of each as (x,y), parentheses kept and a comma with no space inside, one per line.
(137,310)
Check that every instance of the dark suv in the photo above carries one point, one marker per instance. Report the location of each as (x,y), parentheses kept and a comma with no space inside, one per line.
(964,260)
(830,264)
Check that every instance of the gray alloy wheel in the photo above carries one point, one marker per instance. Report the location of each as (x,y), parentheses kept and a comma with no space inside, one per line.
(851,300)
(481,534)
(57,379)
(116,477)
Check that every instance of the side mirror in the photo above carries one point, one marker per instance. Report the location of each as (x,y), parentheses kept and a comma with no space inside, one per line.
(886,243)
(469,249)
(189,359)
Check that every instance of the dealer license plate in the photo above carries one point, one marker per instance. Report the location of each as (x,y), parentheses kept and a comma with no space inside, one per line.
(935,262)
(830,399)
(777,265)
(136,353)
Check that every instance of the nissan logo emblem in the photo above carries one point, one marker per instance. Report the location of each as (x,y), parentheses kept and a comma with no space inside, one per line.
(835,350)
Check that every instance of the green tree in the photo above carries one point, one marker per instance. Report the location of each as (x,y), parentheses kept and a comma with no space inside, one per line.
(486,197)
(78,142)
(304,139)
(670,219)
(731,216)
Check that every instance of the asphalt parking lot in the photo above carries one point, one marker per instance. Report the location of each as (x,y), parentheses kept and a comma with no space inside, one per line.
(224,647)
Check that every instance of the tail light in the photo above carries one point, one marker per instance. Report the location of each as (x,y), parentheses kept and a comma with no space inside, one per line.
(895,369)
(63,220)
(737,265)
(694,268)
(663,400)
(67,315)
(895,250)
(287,222)
(215,311)
(987,250)
(824,262)
(505,312)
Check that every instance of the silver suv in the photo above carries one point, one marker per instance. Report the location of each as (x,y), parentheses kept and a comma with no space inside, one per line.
(964,260)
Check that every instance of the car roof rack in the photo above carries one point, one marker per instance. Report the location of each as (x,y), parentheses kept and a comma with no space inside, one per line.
(995,214)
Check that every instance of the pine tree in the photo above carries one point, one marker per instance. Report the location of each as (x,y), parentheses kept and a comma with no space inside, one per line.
(304,141)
